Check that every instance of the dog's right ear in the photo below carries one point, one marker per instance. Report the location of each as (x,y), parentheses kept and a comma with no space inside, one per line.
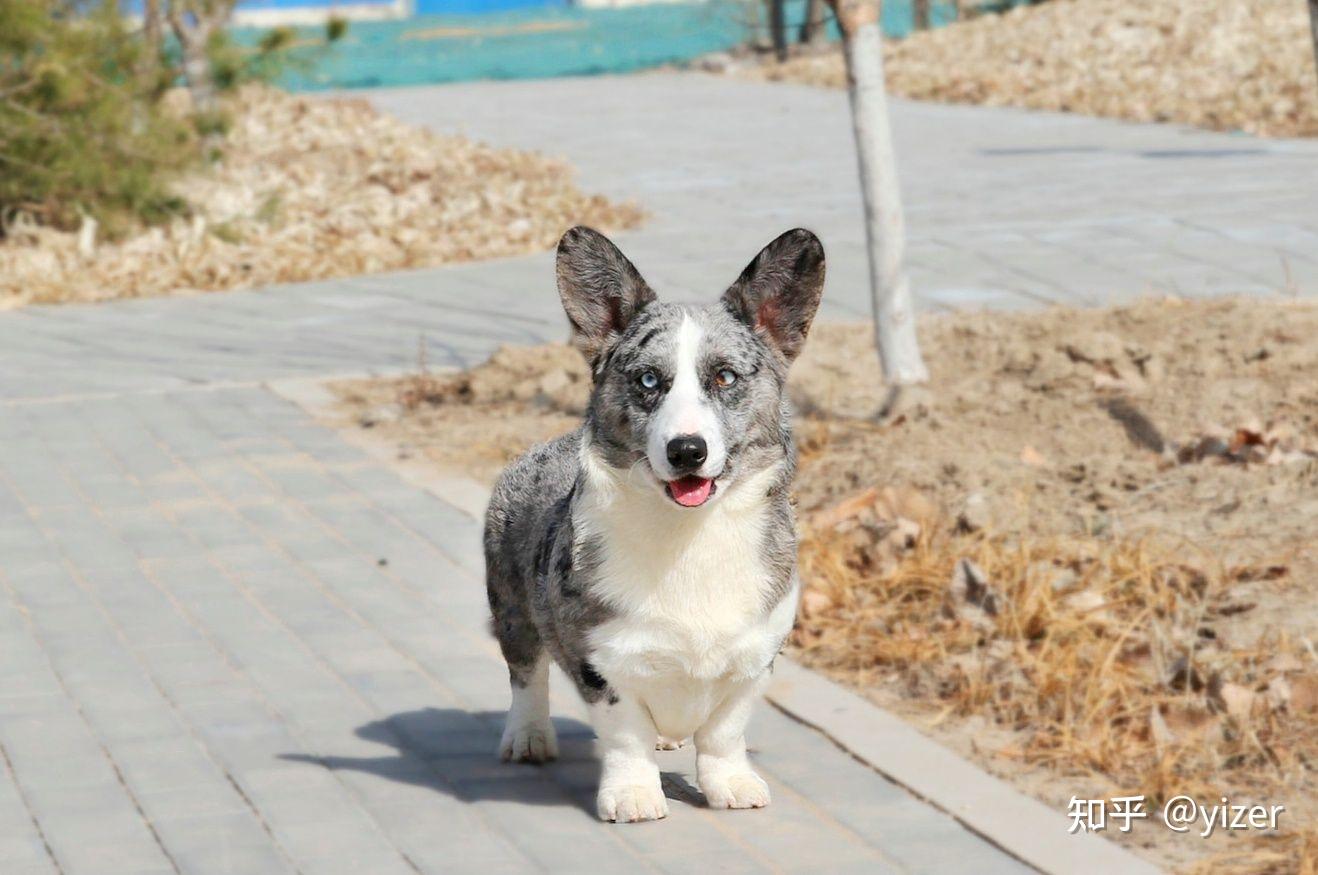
(601,290)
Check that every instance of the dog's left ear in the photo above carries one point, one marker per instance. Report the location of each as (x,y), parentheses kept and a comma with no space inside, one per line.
(601,290)
(778,293)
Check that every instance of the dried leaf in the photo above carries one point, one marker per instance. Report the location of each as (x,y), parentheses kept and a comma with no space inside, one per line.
(308,189)
(1246,65)
(846,509)
(970,586)
(1304,693)
(1278,693)
(814,602)
(1236,701)
(1158,729)
(1032,457)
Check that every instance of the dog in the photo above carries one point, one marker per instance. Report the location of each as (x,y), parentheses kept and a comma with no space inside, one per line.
(652,552)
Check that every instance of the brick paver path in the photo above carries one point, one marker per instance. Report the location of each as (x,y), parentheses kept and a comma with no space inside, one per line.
(206,599)
(229,642)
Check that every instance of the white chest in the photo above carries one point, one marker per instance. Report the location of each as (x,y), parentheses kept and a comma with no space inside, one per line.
(689,593)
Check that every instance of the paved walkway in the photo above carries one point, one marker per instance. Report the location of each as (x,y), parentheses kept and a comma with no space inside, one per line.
(231,643)
(207,599)
(1006,209)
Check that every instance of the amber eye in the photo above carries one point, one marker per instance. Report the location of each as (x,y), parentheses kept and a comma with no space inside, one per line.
(725,378)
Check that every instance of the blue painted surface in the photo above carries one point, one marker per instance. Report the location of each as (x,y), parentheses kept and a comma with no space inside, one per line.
(469,7)
(265,5)
(486,39)
(517,44)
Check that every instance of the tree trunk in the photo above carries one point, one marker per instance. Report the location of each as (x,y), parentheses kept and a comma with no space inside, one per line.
(885,227)
(148,63)
(813,29)
(920,12)
(778,28)
(194,22)
(1313,28)
(151,27)
(197,72)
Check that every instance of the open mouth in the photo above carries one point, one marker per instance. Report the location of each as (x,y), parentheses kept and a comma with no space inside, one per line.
(690,491)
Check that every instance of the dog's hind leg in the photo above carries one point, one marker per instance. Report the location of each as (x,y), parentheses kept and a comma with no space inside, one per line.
(528,735)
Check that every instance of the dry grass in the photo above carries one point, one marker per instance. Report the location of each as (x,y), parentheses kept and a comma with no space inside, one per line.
(1093,658)
(1246,65)
(314,189)
(1085,641)
(1153,609)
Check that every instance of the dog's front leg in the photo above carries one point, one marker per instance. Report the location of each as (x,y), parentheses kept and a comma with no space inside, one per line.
(722,768)
(629,785)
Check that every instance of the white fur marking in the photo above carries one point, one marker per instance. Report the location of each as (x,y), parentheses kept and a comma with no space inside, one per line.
(685,410)
(629,788)
(528,734)
(688,588)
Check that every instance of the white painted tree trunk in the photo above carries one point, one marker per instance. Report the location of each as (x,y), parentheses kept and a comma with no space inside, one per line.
(885,226)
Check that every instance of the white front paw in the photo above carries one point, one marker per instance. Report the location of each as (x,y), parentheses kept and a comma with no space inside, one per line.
(738,790)
(630,803)
(529,743)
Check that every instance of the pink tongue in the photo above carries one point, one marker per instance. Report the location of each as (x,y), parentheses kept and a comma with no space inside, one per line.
(690,491)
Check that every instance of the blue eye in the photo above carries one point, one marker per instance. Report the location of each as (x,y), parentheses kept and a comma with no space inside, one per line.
(725,378)
(649,380)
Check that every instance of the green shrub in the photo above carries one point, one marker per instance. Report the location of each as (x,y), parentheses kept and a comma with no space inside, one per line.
(82,130)
(274,53)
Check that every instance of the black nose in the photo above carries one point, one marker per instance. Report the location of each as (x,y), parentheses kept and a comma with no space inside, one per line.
(687,453)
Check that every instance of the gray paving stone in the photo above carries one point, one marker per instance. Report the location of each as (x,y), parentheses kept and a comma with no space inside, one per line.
(261,692)
(972,177)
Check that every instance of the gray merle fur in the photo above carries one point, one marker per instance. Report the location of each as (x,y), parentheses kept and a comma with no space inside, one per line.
(539,568)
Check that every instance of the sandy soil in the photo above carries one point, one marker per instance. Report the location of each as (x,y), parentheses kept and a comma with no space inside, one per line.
(1136,487)
(1246,65)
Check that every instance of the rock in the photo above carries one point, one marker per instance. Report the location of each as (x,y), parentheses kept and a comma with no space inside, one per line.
(974,515)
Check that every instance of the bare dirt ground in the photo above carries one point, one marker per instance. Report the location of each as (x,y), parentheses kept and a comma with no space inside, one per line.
(1246,65)
(1087,559)
(309,189)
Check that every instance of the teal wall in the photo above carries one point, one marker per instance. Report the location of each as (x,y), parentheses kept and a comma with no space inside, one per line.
(543,41)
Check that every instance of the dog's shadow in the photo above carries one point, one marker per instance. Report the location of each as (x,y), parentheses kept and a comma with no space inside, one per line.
(455,752)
